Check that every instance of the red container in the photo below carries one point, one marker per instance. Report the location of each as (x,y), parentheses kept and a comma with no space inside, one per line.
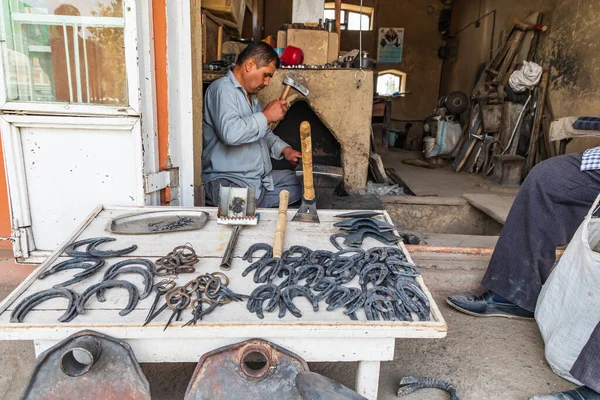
(292,56)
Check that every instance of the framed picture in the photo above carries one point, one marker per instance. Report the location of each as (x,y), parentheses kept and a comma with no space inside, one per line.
(390,44)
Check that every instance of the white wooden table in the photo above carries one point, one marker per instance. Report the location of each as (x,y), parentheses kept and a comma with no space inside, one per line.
(317,336)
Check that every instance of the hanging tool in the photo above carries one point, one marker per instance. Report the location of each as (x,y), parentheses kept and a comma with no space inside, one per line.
(237,207)
(284,198)
(308,209)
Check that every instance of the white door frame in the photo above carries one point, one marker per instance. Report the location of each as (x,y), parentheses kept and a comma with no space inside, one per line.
(179,72)
(23,240)
(139,116)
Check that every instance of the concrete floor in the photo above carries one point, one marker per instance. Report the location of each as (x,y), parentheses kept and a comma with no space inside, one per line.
(440,181)
(484,358)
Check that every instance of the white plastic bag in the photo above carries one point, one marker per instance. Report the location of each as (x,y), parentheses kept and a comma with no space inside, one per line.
(526,77)
(568,308)
(448,136)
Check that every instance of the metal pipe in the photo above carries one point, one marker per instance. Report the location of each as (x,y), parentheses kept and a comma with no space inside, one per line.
(473,251)
(228,256)
(80,356)
(68,56)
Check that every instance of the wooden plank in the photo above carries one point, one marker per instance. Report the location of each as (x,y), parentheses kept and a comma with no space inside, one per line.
(377,168)
(495,205)
(510,55)
(394,177)
(196,27)
(537,122)
(233,320)
(471,144)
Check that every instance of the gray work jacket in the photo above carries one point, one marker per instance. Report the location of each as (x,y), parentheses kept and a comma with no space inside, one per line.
(236,139)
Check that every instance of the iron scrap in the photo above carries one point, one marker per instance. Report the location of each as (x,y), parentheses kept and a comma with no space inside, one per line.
(410,384)
(109,370)
(179,261)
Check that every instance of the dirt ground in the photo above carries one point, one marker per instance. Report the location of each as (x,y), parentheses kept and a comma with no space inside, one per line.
(485,358)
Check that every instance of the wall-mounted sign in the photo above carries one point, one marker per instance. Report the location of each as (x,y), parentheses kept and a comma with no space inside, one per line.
(389,48)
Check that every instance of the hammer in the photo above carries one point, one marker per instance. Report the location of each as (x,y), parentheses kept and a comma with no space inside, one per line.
(289,83)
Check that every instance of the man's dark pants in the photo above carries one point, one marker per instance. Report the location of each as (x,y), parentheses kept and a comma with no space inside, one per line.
(550,207)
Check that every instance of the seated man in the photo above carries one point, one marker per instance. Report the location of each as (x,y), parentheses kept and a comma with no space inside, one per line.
(237,142)
(551,204)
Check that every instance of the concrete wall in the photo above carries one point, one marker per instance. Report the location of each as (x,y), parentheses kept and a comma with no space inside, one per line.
(570,48)
(421,43)
(307,10)
(419,59)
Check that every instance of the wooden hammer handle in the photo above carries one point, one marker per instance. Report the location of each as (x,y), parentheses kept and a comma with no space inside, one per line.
(286,92)
(284,198)
(307,165)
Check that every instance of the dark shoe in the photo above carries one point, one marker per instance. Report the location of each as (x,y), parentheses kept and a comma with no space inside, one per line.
(581,393)
(488,304)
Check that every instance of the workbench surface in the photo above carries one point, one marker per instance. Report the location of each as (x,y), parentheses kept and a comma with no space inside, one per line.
(231,322)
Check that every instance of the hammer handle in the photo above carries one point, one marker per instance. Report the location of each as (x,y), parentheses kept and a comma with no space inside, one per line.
(284,198)
(307,165)
(286,92)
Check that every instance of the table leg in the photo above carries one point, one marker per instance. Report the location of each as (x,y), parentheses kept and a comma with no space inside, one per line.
(367,379)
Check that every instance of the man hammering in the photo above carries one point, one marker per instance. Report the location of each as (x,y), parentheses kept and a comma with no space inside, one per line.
(237,142)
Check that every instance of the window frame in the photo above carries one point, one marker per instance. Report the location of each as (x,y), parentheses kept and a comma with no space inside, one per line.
(130,37)
(402,75)
(368,11)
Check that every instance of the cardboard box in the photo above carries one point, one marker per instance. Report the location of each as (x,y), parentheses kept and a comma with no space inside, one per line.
(314,44)
(281,39)
(333,46)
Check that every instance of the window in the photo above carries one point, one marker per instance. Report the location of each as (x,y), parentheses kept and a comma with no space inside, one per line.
(391,81)
(351,17)
(67,51)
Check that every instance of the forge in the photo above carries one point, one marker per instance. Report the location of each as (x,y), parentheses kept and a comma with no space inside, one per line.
(339,113)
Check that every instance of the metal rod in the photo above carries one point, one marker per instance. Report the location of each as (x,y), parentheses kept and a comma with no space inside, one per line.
(68,56)
(360,36)
(517,125)
(85,62)
(228,256)
(77,64)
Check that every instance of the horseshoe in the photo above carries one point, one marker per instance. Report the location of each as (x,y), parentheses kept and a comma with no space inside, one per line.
(70,249)
(134,261)
(93,251)
(257,247)
(298,290)
(30,302)
(313,273)
(89,265)
(325,287)
(133,295)
(148,281)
